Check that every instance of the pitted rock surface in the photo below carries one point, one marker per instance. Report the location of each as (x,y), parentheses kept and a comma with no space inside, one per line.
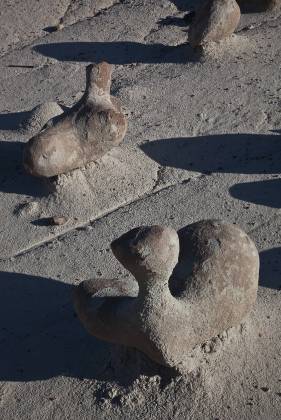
(81,135)
(213,287)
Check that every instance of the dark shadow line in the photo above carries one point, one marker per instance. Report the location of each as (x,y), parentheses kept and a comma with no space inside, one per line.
(118,52)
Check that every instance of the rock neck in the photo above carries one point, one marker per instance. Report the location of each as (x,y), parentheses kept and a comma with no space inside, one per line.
(153,288)
(98,82)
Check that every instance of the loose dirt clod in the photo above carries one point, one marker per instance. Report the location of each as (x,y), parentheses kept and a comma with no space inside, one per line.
(58,220)
(214,21)
(81,135)
(215,268)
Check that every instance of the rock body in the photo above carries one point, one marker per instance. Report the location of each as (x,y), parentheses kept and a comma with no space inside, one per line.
(39,116)
(214,21)
(215,268)
(81,135)
(259,5)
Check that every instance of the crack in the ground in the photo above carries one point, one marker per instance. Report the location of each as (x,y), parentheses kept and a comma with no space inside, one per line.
(146,195)
(159,177)
(266,222)
(100,217)
(96,13)
(21,44)
(70,4)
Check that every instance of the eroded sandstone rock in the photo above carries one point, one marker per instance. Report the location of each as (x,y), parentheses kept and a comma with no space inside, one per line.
(39,116)
(213,287)
(214,21)
(81,135)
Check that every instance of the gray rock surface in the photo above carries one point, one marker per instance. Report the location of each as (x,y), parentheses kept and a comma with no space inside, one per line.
(203,142)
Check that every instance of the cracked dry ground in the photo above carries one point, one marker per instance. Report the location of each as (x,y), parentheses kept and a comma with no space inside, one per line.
(203,142)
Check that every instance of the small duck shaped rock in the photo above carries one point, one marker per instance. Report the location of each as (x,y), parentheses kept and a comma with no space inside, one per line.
(82,134)
(256,6)
(218,267)
(214,21)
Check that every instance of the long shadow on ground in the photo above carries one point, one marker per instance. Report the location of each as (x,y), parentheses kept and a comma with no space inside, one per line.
(270,268)
(13,120)
(118,52)
(13,178)
(265,193)
(41,337)
(227,153)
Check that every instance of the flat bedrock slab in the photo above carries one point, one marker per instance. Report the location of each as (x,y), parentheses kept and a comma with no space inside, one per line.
(240,78)
(120,177)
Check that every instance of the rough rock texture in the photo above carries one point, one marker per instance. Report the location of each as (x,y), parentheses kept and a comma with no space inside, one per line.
(79,10)
(216,286)
(259,5)
(83,134)
(202,143)
(39,116)
(214,21)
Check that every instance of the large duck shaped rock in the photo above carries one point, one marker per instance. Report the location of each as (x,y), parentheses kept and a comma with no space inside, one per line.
(213,288)
(82,134)
(214,21)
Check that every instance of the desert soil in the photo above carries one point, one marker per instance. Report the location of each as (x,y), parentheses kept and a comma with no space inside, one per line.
(203,142)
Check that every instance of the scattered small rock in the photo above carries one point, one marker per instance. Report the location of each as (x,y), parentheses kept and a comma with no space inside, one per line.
(207,348)
(27,208)
(223,336)
(58,220)
(212,346)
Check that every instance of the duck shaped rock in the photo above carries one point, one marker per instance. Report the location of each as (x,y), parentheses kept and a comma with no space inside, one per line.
(214,21)
(82,134)
(256,6)
(217,267)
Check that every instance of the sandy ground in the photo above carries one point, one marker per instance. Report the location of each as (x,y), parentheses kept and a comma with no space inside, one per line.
(203,142)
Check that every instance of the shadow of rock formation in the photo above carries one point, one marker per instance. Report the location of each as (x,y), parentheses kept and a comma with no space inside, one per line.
(265,193)
(227,153)
(13,178)
(118,52)
(270,268)
(42,338)
(13,120)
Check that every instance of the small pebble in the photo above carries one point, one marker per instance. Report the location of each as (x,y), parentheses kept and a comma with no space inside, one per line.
(58,220)
(207,348)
